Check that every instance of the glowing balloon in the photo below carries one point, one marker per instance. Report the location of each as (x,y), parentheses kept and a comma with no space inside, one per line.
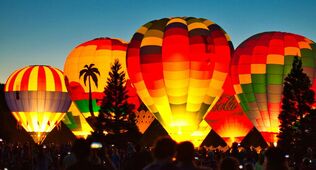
(77,123)
(259,67)
(178,66)
(92,58)
(132,95)
(38,99)
(227,118)
(143,120)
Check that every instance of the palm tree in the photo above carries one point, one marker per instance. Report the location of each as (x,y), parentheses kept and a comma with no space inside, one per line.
(89,72)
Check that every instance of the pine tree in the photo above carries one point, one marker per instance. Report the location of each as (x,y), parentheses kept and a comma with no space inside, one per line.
(116,115)
(296,105)
(310,131)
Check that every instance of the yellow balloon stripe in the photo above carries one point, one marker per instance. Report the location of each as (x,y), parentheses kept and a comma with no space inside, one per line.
(50,81)
(10,79)
(17,82)
(197,25)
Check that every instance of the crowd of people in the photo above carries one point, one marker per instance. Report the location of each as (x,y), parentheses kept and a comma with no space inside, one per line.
(166,154)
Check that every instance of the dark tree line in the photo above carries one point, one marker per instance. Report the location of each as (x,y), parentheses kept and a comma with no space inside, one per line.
(297,118)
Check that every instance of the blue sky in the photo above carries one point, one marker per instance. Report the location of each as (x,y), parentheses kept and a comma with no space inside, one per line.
(45,31)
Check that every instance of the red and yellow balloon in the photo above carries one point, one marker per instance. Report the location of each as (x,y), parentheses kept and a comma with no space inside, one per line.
(100,52)
(38,99)
(259,67)
(178,67)
(227,118)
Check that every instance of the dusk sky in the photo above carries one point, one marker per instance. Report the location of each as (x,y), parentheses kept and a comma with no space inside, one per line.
(45,31)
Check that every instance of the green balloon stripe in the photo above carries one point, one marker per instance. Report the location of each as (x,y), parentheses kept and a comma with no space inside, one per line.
(70,121)
(83,106)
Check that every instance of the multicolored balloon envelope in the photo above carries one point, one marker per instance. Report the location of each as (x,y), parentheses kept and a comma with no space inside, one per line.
(77,123)
(38,99)
(227,118)
(144,120)
(97,55)
(259,67)
(178,67)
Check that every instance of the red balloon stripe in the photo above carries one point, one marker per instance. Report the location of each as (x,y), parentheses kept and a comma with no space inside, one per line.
(57,79)
(41,82)
(25,79)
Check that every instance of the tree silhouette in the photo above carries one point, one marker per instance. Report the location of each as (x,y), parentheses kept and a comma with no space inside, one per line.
(89,72)
(309,121)
(296,106)
(116,115)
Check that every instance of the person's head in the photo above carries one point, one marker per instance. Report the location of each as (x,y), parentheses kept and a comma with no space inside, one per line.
(306,164)
(275,159)
(235,145)
(185,152)
(229,163)
(249,166)
(81,149)
(260,159)
(164,147)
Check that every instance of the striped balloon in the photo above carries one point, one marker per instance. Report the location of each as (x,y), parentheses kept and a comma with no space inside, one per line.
(178,66)
(38,99)
(101,52)
(259,67)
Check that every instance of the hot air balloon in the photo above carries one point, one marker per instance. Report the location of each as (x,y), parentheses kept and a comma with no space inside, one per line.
(144,120)
(259,67)
(75,121)
(227,118)
(38,99)
(132,94)
(86,70)
(178,67)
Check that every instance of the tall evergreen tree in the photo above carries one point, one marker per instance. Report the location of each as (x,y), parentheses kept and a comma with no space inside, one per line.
(310,131)
(296,105)
(116,114)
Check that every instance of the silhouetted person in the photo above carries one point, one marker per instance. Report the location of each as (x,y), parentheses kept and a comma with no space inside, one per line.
(306,164)
(137,160)
(229,163)
(249,166)
(163,152)
(69,160)
(185,157)
(81,149)
(275,159)
(43,158)
(234,151)
(259,163)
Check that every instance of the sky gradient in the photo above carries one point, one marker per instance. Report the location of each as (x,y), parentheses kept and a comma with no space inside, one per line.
(45,31)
